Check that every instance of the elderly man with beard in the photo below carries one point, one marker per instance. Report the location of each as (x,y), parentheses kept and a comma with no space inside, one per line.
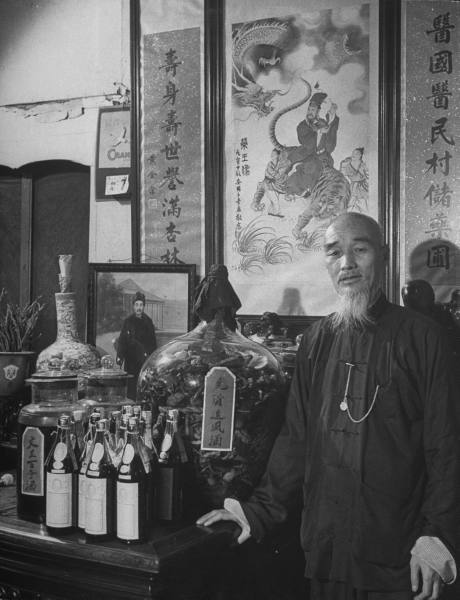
(370,438)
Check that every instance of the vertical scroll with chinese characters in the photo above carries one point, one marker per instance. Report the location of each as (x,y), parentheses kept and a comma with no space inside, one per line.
(171,148)
(430,172)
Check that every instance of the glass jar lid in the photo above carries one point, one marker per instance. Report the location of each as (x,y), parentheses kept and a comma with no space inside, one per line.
(55,371)
(107,371)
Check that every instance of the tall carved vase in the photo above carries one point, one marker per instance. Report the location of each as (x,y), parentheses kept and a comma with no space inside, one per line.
(73,354)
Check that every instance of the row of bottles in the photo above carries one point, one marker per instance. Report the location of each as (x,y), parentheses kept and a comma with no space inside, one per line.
(113,480)
(55,393)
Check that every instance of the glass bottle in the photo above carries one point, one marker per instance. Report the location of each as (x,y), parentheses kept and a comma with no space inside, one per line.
(147,435)
(61,481)
(127,409)
(82,466)
(170,486)
(133,497)
(114,426)
(100,488)
(77,435)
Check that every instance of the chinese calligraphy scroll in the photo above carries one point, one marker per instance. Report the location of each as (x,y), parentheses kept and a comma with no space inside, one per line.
(431,155)
(171,161)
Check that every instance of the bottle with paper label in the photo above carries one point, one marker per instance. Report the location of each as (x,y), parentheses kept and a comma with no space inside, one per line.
(133,490)
(77,433)
(61,481)
(171,470)
(100,488)
(82,466)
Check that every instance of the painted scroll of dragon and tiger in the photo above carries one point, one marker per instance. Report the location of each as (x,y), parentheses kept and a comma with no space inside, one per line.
(300,150)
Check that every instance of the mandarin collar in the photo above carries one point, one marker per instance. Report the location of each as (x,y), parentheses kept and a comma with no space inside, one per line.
(379,306)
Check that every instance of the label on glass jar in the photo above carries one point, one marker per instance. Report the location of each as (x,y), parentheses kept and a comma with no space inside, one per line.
(96,507)
(218,410)
(128,511)
(32,446)
(59,500)
(81,500)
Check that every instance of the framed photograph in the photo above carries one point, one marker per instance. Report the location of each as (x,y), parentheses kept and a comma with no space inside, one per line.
(166,291)
(302,143)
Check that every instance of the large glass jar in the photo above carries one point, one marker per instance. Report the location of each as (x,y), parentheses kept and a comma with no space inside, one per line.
(105,387)
(54,393)
(174,376)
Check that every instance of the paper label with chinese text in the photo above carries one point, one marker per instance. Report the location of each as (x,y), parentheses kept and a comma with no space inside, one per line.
(218,410)
(116,184)
(33,461)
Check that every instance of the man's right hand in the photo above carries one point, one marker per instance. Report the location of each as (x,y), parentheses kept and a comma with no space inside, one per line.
(214,516)
(232,512)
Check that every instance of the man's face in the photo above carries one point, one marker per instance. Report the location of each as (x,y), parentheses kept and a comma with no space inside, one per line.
(138,308)
(312,111)
(355,257)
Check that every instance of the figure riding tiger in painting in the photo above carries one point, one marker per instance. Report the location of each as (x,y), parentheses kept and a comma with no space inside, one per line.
(306,170)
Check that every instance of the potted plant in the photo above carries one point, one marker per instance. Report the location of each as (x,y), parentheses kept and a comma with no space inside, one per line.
(17,325)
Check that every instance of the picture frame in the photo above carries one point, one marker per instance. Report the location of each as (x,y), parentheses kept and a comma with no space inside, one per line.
(168,292)
(113,154)
(288,176)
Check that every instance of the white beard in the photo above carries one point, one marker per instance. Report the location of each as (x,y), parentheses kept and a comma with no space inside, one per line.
(353,311)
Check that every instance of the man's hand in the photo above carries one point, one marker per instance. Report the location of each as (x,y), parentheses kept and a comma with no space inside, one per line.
(220,514)
(425,579)
(223,514)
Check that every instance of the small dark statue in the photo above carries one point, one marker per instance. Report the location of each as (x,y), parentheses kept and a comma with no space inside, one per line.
(267,330)
(418,294)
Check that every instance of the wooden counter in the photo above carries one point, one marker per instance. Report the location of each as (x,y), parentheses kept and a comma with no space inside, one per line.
(173,564)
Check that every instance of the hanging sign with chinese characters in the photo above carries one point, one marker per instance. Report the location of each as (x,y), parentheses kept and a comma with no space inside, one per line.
(431,142)
(171,148)
(218,410)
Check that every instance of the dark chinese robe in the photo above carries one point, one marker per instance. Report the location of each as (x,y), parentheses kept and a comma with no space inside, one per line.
(370,489)
(136,342)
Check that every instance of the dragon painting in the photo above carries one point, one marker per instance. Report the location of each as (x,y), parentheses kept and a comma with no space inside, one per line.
(257,48)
